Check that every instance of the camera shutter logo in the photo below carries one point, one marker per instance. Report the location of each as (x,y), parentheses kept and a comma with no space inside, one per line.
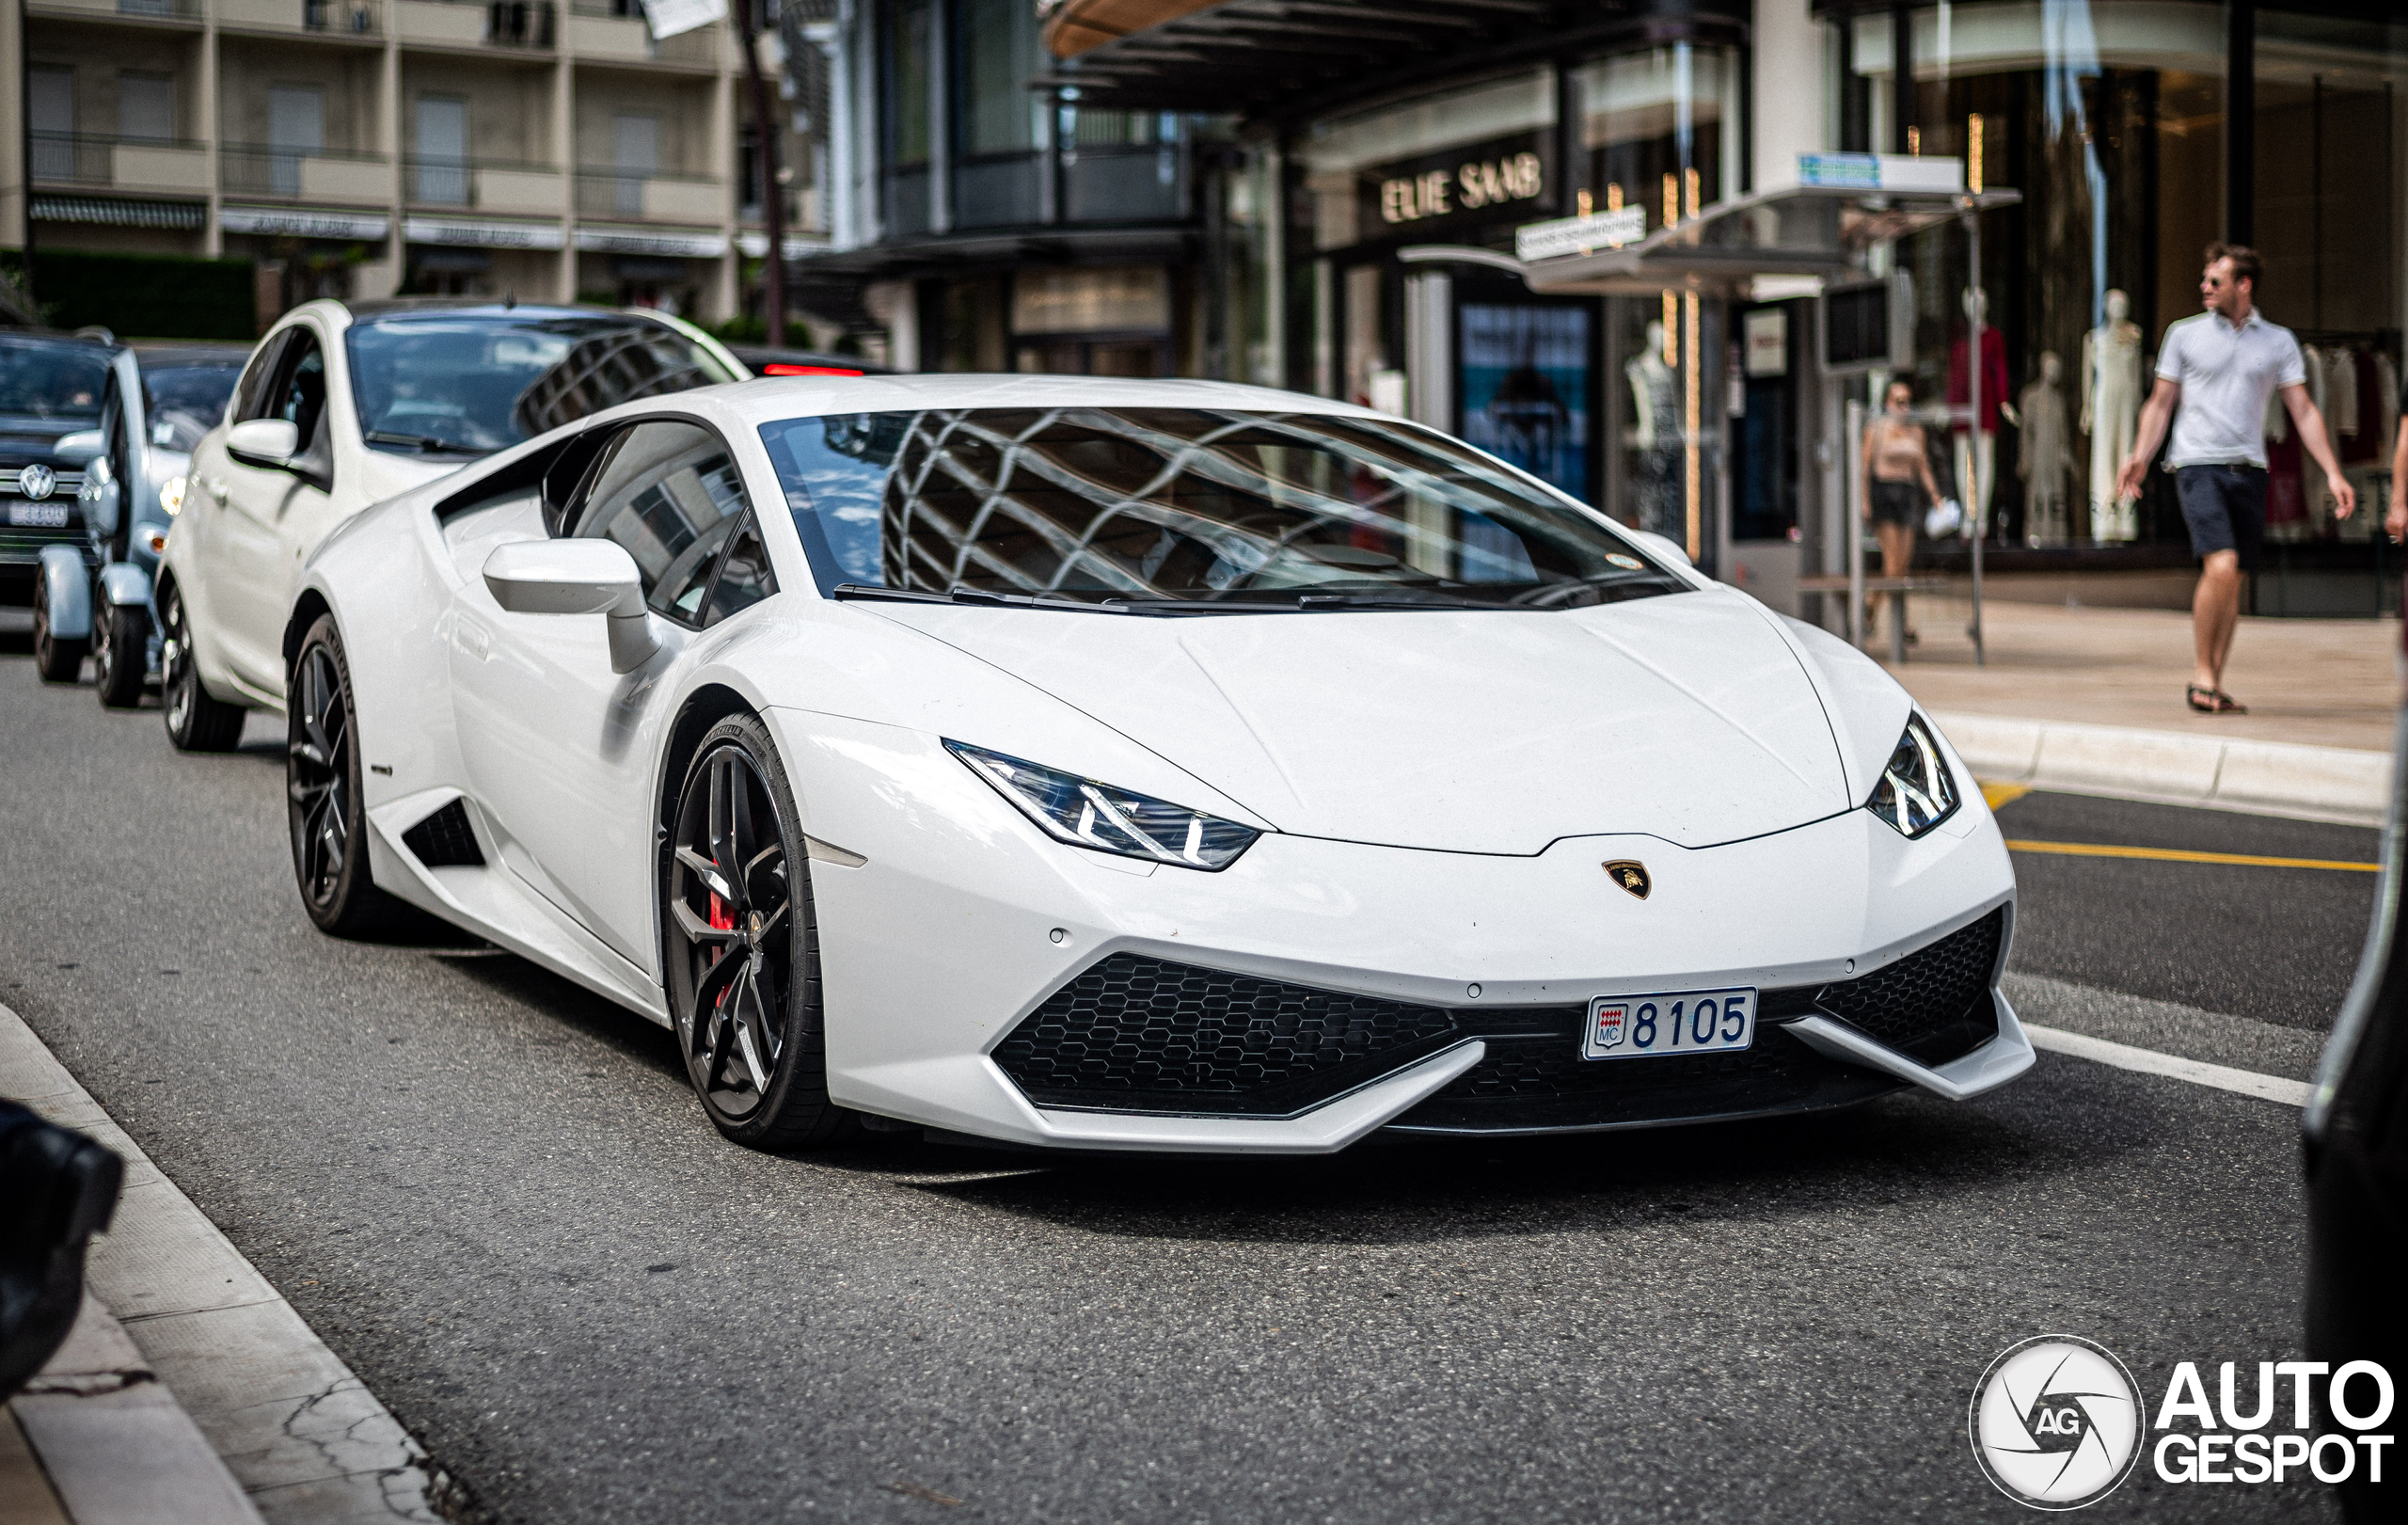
(2057,1422)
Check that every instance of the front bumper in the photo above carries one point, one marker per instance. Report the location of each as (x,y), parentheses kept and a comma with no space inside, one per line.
(963,934)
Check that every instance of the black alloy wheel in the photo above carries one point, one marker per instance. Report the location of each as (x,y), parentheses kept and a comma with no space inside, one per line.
(120,654)
(322,795)
(57,659)
(196,720)
(742,948)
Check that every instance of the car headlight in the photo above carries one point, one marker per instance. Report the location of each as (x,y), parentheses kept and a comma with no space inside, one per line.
(1086,814)
(1916,792)
(171,496)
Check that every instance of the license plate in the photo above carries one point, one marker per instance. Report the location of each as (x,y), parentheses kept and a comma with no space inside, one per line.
(38,516)
(1688,1022)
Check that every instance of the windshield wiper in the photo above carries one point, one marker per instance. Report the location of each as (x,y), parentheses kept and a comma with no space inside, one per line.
(1310,603)
(980,598)
(427,444)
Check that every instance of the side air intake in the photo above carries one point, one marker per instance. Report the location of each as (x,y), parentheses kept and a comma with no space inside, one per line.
(445,839)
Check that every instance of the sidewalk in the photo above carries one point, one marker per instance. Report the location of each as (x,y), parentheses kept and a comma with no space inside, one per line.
(2091,700)
(190,1391)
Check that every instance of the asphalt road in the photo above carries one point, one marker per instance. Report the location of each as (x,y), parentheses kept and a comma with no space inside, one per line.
(494,1196)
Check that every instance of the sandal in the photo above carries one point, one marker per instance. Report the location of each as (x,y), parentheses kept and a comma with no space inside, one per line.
(2209,701)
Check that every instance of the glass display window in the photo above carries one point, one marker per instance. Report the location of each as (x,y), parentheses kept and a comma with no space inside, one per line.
(1659,129)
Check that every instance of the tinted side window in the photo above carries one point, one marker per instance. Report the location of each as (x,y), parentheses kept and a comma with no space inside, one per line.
(252,393)
(744,577)
(670,494)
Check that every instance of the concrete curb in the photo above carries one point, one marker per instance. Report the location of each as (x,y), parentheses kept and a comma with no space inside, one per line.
(116,1447)
(304,1438)
(2264,778)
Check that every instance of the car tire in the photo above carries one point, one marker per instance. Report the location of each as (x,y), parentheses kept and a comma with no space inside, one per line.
(196,720)
(120,654)
(740,946)
(57,659)
(324,802)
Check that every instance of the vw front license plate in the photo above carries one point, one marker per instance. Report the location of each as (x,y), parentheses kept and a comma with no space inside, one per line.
(38,516)
(1647,1026)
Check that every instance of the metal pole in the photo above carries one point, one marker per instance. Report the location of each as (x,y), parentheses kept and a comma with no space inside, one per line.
(1974,425)
(1851,535)
(750,16)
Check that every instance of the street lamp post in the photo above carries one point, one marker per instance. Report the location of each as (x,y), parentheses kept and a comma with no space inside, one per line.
(751,15)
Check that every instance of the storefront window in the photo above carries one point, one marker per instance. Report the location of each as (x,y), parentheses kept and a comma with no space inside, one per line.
(1659,129)
(2327,221)
(2109,117)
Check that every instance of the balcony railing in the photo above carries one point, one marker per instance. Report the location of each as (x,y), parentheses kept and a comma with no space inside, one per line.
(616,29)
(107,159)
(511,185)
(184,10)
(304,174)
(522,24)
(328,18)
(649,196)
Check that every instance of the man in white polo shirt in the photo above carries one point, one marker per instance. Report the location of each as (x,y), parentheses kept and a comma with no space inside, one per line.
(2217,369)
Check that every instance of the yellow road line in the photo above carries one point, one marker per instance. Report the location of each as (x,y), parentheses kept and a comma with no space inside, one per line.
(2005,794)
(2102,849)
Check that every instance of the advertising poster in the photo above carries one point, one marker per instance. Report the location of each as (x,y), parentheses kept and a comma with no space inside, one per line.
(1525,388)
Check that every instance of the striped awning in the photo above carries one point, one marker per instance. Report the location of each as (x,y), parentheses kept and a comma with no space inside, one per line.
(175,217)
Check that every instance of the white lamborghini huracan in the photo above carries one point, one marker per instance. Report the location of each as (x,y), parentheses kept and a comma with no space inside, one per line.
(1112,764)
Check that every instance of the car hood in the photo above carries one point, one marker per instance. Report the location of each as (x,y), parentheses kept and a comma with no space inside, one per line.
(1687,718)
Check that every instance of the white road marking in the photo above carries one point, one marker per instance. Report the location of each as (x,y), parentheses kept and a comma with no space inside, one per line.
(2148,1061)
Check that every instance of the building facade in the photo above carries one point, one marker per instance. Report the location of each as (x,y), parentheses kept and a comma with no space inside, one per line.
(985,219)
(1334,192)
(549,149)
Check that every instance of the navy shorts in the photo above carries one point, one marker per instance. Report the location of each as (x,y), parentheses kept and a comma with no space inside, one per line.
(2225,508)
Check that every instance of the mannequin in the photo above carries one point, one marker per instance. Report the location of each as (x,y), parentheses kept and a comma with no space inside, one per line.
(2111,414)
(2044,459)
(1976,439)
(1654,437)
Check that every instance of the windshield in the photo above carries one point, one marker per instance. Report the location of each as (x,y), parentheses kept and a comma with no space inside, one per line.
(468,383)
(62,382)
(1189,510)
(184,402)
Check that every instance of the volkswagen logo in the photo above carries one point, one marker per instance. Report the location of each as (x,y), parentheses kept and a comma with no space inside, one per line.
(2057,1422)
(36,480)
(1631,875)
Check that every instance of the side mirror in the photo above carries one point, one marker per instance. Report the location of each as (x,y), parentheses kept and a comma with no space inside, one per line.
(577,577)
(269,442)
(79,447)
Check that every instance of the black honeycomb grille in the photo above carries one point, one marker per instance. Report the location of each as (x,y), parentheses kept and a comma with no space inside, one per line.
(1140,1034)
(1935,1002)
(445,839)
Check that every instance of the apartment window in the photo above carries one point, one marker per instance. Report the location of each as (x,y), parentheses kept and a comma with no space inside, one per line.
(1000,113)
(441,170)
(912,103)
(145,106)
(635,153)
(50,103)
(296,130)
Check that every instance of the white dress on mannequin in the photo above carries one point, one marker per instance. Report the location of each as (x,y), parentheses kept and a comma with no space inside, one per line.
(2110,414)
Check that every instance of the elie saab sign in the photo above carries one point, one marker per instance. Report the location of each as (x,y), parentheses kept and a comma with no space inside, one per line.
(1503,177)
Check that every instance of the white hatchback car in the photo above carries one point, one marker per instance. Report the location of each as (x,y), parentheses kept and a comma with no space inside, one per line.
(344,404)
(1151,765)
